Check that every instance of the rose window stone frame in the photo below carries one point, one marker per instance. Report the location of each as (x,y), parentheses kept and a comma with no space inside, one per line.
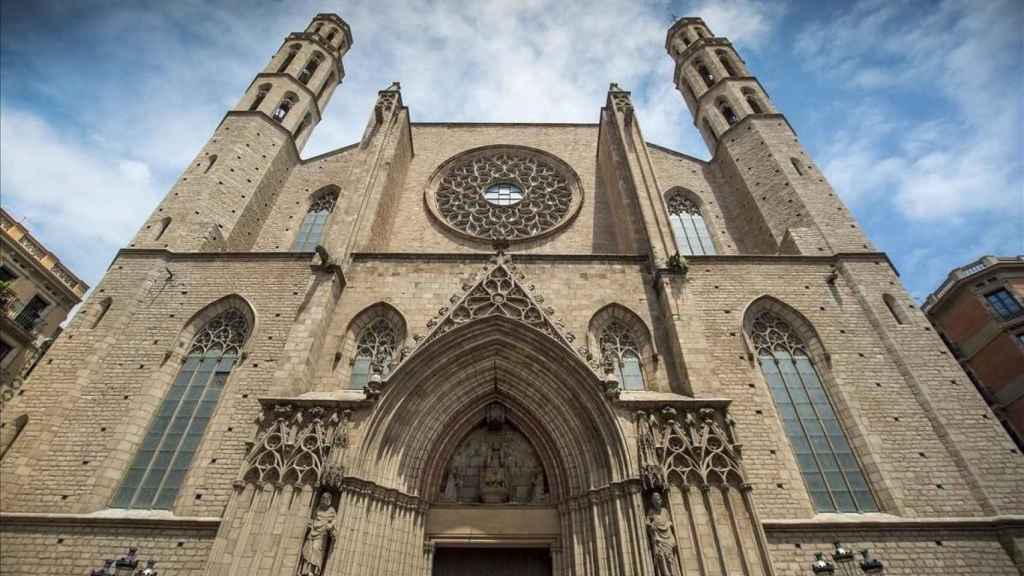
(552,194)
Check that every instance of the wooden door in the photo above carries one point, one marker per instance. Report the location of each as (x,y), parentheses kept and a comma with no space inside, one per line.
(492,562)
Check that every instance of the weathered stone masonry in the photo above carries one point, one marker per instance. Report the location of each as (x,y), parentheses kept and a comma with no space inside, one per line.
(671,458)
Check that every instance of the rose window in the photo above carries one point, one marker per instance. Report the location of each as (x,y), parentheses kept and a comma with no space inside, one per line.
(505,193)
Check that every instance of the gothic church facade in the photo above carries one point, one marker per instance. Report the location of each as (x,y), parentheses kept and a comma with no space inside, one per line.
(456,348)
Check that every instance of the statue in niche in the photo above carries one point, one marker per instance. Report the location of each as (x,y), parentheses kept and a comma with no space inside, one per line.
(451,488)
(319,538)
(662,538)
(539,496)
(493,484)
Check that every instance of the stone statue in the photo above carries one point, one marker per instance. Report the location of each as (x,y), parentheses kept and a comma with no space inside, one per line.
(493,485)
(321,533)
(451,488)
(538,489)
(662,538)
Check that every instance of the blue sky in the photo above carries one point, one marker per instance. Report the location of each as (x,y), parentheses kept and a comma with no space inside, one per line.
(913,109)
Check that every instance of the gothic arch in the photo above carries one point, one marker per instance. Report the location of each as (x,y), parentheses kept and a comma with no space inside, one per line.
(436,397)
(802,327)
(210,311)
(346,347)
(637,327)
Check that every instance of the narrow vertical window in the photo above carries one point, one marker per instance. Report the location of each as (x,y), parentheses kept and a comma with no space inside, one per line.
(797,165)
(751,98)
(688,226)
(620,351)
(10,432)
(728,113)
(827,463)
(164,224)
(726,64)
(312,229)
(292,51)
(316,29)
(261,95)
(210,161)
(894,308)
(284,107)
(1004,304)
(101,311)
(330,35)
(705,74)
(310,68)
(375,347)
(160,465)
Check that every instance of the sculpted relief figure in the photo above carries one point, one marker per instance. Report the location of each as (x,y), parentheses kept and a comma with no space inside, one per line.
(661,537)
(321,533)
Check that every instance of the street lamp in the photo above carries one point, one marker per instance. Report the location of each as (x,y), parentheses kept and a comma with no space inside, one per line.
(843,562)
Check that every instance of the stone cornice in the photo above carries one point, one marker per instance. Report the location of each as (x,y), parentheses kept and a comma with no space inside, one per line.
(486,256)
(112,519)
(885,522)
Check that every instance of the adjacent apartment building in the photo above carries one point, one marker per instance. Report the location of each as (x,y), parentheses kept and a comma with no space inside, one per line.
(979,311)
(37,292)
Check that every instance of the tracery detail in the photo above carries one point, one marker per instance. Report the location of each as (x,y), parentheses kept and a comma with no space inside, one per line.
(298,446)
(225,333)
(773,334)
(377,344)
(688,226)
(619,351)
(697,447)
(549,197)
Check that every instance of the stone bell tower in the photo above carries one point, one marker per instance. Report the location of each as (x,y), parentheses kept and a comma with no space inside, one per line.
(224,195)
(782,198)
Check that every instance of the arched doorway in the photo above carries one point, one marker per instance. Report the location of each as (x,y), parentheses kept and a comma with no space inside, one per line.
(509,448)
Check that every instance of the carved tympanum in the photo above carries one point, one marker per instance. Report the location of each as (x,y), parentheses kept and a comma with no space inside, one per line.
(550,194)
(495,464)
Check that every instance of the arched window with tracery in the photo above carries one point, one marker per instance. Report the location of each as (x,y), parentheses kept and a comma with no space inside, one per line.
(688,226)
(159,467)
(829,467)
(375,347)
(311,231)
(619,350)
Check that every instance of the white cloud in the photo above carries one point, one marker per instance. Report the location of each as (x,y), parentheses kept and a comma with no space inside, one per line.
(745,22)
(133,93)
(966,156)
(82,203)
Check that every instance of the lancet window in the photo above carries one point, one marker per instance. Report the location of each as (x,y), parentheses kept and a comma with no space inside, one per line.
(375,348)
(312,229)
(310,68)
(292,51)
(688,226)
(829,467)
(261,95)
(285,106)
(159,468)
(619,350)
